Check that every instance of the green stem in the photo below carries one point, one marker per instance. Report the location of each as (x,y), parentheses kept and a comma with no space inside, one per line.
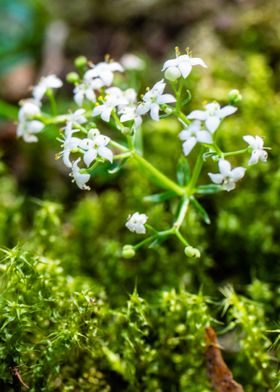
(145,241)
(130,142)
(119,146)
(182,213)
(138,140)
(121,156)
(50,94)
(181,238)
(229,154)
(54,120)
(165,181)
(196,172)
(119,124)
(183,117)
(178,95)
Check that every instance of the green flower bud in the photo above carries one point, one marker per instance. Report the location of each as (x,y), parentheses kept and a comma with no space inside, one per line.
(192,252)
(80,62)
(234,96)
(172,74)
(128,251)
(72,77)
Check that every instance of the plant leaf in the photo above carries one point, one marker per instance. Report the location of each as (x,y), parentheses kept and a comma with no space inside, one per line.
(183,171)
(200,210)
(158,197)
(208,189)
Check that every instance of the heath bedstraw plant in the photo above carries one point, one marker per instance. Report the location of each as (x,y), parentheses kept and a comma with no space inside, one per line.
(102,104)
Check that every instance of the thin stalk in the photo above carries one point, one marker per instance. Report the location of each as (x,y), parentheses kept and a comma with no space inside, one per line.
(182,213)
(181,238)
(178,95)
(54,120)
(119,146)
(230,154)
(52,101)
(122,156)
(183,117)
(196,172)
(145,241)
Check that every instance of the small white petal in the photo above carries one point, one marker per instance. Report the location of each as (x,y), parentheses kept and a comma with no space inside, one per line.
(197,61)
(185,69)
(227,111)
(237,173)
(169,63)
(229,185)
(89,156)
(217,178)
(212,123)
(79,98)
(225,167)
(185,134)
(80,178)
(105,153)
(155,112)
(197,115)
(250,140)
(90,95)
(107,77)
(166,98)
(97,110)
(204,137)
(143,108)
(106,113)
(188,145)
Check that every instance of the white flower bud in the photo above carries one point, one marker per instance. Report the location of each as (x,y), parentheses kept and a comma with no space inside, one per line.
(172,74)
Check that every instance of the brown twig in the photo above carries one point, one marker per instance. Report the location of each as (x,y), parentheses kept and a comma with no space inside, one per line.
(218,372)
(17,379)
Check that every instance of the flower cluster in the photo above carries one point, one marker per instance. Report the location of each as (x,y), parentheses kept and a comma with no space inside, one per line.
(28,126)
(104,106)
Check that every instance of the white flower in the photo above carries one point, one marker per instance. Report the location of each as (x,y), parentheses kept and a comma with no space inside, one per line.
(95,145)
(181,66)
(153,99)
(28,126)
(73,119)
(212,115)
(80,178)
(227,177)
(128,111)
(104,71)
(50,81)
(70,144)
(28,129)
(258,152)
(86,90)
(113,99)
(136,222)
(28,110)
(193,134)
(132,62)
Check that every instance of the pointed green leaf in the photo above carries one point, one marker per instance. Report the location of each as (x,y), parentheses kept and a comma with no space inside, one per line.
(116,167)
(208,189)
(159,197)
(200,210)
(157,241)
(183,171)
